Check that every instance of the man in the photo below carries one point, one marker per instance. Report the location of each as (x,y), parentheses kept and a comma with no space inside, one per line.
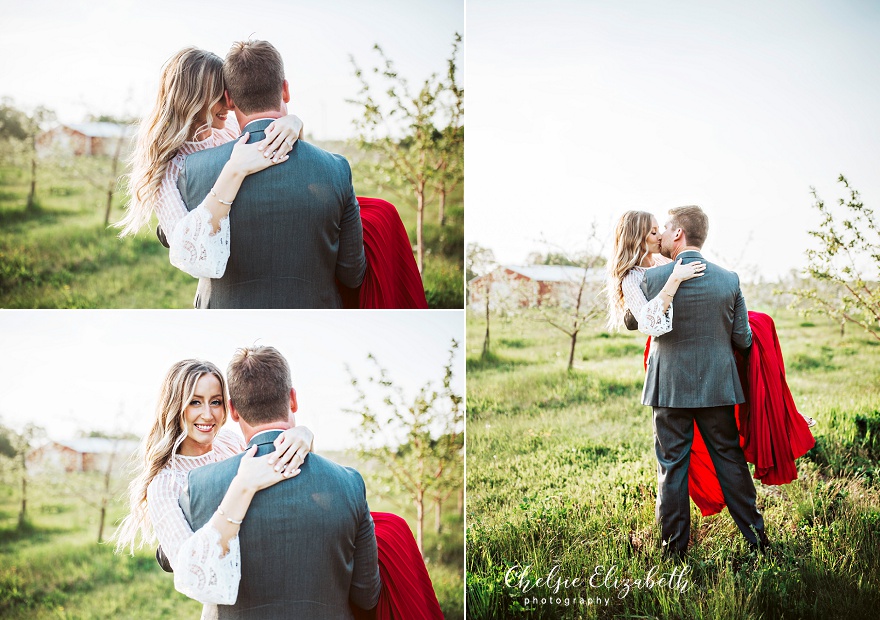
(692,376)
(295,226)
(308,543)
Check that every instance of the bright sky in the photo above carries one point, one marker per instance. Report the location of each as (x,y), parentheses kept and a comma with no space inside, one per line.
(104,56)
(73,370)
(580,110)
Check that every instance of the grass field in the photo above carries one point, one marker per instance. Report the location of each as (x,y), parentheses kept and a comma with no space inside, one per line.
(561,473)
(55,569)
(62,256)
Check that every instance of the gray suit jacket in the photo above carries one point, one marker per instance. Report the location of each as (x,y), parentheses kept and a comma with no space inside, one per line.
(308,546)
(294,228)
(693,365)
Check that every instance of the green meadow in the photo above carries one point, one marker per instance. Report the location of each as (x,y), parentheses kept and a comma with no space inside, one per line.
(60,255)
(561,483)
(54,568)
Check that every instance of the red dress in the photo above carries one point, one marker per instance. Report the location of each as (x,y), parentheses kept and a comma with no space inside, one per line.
(392,279)
(407,592)
(772,432)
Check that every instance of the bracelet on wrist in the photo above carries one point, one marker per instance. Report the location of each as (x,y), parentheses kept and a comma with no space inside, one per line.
(233,521)
(222,202)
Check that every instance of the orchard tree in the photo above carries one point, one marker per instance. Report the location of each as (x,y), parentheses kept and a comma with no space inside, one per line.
(416,441)
(846,265)
(403,131)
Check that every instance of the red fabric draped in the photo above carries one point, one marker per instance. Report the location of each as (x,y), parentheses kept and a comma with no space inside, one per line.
(772,432)
(392,279)
(407,591)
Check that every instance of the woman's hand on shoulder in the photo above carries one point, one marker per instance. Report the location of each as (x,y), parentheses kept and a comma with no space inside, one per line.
(683,272)
(247,158)
(281,135)
(255,472)
(291,449)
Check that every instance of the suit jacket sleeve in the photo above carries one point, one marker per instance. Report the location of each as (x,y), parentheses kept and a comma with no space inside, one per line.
(185,505)
(365,582)
(351,264)
(742,333)
(181,184)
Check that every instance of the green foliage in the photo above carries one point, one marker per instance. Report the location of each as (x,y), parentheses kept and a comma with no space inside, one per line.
(561,472)
(417,441)
(846,266)
(400,127)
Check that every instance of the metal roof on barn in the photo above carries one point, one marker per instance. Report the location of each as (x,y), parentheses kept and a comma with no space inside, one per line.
(553,273)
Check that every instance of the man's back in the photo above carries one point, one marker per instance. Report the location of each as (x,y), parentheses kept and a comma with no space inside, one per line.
(294,228)
(693,365)
(307,543)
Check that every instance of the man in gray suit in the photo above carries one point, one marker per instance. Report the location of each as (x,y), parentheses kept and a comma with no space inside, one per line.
(308,546)
(692,376)
(295,228)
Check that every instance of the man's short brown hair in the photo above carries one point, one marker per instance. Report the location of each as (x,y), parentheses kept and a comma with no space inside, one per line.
(254,76)
(693,221)
(259,385)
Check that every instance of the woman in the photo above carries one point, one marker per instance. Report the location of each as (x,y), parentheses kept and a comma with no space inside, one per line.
(190,115)
(187,433)
(636,240)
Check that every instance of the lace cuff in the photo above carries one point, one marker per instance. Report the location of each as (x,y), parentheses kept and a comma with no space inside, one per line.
(652,320)
(202,574)
(195,248)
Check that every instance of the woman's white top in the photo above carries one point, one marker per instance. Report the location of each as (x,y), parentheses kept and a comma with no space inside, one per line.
(201,570)
(652,320)
(195,248)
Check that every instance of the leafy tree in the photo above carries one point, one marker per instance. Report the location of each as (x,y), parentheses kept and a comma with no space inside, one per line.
(846,266)
(15,446)
(481,261)
(403,132)
(588,302)
(418,441)
(450,140)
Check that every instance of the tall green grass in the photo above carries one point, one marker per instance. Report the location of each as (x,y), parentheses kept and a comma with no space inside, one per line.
(55,568)
(562,476)
(60,254)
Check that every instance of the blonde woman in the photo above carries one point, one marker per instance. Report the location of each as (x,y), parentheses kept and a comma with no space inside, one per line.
(190,115)
(636,249)
(188,433)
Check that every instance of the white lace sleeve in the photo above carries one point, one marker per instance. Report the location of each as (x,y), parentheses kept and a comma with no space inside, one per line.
(203,572)
(195,248)
(652,320)
(199,570)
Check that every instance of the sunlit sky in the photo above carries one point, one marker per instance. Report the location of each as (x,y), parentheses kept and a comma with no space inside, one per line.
(104,56)
(580,110)
(80,370)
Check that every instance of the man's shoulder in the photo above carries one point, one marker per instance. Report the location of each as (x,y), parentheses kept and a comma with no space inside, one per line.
(213,472)
(208,157)
(328,469)
(660,272)
(307,150)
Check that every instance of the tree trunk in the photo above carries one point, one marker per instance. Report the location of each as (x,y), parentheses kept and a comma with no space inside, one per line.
(420,519)
(574,339)
(420,216)
(438,510)
(31,199)
(111,188)
(486,340)
(442,206)
(23,514)
(101,524)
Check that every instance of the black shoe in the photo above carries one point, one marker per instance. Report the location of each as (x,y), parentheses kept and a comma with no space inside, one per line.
(763,546)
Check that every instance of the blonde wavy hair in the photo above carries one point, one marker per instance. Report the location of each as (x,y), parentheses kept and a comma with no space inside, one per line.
(191,83)
(630,249)
(160,445)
